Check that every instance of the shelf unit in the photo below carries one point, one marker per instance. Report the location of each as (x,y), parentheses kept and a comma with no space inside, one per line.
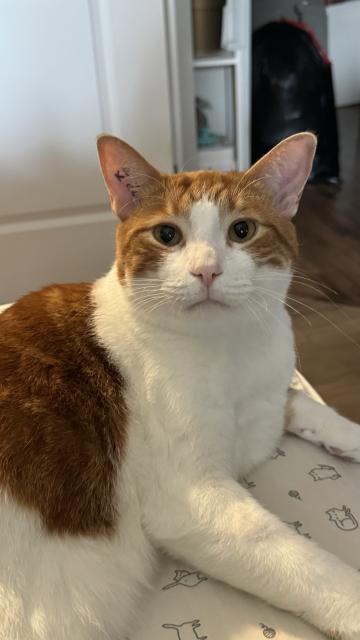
(220,78)
(233,155)
(215,59)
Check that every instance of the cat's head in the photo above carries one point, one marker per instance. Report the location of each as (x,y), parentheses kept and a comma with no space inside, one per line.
(205,243)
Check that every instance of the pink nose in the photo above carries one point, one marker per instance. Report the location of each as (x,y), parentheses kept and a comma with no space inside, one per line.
(207,273)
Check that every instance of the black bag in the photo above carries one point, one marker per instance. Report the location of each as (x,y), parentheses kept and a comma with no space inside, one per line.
(292,91)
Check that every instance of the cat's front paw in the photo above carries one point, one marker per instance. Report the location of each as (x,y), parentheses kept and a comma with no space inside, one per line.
(326,428)
(348,631)
(342,438)
(346,627)
(335,635)
(337,613)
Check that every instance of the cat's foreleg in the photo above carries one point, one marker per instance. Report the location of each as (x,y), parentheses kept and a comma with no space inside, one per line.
(322,425)
(218,527)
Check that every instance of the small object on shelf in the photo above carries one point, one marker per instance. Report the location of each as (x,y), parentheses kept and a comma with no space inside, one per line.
(205,137)
(201,117)
(207,20)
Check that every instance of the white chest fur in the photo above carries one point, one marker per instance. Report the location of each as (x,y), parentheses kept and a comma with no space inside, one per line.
(201,400)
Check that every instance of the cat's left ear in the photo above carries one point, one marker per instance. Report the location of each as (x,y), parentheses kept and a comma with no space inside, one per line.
(283,171)
(128,176)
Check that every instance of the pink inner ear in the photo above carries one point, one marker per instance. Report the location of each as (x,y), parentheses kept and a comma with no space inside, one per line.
(288,181)
(117,176)
(123,193)
(126,173)
(284,171)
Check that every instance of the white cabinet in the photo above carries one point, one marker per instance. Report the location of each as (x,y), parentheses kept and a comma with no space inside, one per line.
(68,71)
(217,84)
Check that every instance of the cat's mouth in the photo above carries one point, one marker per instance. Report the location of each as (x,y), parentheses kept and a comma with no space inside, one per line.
(207,303)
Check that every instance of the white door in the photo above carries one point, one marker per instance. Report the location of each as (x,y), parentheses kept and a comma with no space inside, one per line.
(68,71)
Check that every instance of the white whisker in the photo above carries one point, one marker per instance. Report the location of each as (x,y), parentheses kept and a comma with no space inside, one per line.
(267,310)
(295,278)
(321,315)
(284,302)
(263,326)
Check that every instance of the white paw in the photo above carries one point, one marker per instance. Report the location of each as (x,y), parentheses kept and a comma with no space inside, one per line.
(341,437)
(346,624)
(333,634)
(326,428)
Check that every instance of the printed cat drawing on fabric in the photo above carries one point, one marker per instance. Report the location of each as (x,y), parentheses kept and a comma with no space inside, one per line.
(343,518)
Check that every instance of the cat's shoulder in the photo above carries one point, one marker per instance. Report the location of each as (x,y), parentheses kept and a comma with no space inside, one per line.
(53,325)
(49,349)
(54,307)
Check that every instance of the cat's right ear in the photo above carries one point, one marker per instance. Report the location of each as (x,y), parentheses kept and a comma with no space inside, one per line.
(128,176)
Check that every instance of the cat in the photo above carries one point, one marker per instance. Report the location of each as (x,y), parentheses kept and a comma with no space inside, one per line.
(130,407)
(343,518)
(324,472)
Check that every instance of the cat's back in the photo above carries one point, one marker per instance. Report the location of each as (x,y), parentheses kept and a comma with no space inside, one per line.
(62,410)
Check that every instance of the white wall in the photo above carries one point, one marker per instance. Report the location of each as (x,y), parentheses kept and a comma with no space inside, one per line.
(70,70)
(313,14)
(344,51)
(49,107)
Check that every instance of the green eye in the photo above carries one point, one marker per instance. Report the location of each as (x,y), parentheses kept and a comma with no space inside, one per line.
(242,230)
(167,234)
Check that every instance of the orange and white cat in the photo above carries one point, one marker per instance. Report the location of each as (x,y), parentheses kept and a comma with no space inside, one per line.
(130,407)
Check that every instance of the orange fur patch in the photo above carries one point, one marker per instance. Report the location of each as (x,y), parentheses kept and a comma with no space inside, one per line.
(62,412)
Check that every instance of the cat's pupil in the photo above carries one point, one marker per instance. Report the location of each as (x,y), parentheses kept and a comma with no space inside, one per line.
(241,229)
(166,234)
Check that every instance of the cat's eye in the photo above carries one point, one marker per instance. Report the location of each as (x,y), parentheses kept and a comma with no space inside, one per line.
(167,234)
(242,230)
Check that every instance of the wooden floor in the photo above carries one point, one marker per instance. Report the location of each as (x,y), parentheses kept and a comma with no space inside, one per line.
(328,223)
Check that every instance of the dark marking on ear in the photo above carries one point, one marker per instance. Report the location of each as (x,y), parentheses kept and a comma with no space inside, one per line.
(119,176)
